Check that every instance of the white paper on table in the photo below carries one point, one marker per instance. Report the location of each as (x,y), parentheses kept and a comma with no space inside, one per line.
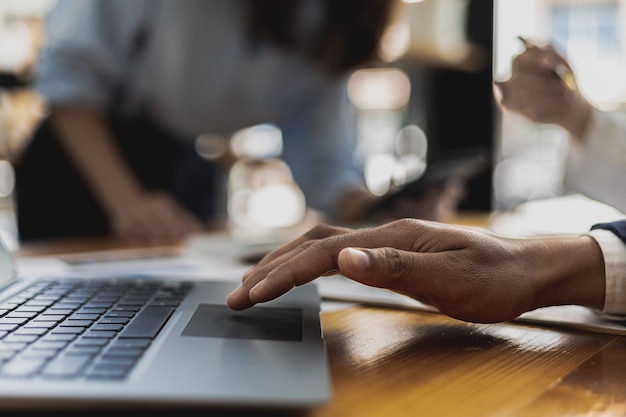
(568,214)
(192,262)
(340,288)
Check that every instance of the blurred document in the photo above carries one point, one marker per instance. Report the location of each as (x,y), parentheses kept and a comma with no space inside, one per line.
(214,256)
(573,213)
(340,288)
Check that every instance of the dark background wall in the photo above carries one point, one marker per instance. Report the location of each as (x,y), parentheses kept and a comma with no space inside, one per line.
(456,107)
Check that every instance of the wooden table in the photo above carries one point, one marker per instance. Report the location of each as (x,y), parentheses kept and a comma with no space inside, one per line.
(394,363)
(408,363)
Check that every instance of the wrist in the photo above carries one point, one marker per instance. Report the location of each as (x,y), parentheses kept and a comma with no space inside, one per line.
(568,271)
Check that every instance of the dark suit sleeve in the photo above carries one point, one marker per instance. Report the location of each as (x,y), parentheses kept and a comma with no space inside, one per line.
(617,227)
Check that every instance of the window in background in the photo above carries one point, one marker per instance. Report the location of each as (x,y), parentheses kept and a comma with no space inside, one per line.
(589,33)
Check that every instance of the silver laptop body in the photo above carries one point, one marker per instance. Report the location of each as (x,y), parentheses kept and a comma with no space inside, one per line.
(270,356)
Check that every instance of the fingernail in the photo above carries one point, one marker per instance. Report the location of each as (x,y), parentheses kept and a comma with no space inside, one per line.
(360,260)
(254,291)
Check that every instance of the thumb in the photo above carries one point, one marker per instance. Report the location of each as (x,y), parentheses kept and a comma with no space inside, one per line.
(381,267)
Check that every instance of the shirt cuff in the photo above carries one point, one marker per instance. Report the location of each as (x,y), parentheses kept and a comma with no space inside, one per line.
(614,252)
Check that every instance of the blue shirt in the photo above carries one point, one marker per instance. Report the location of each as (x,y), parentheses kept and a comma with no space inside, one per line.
(190,65)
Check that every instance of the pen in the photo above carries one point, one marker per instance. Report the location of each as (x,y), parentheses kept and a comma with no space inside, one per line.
(560,70)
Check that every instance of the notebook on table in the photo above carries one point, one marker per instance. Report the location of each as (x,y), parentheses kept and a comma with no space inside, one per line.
(122,341)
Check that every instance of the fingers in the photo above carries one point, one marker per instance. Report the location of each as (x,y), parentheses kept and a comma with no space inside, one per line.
(155,218)
(276,277)
(534,90)
(299,263)
(171,219)
(555,56)
(320,231)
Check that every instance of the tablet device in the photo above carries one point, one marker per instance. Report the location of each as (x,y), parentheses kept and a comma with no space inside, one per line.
(464,164)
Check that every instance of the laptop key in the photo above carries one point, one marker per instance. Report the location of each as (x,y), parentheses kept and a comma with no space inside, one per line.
(45,328)
(66,366)
(148,322)
(107,372)
(131,343)
(22,367)
(108,327)
(5,355)
(126,314)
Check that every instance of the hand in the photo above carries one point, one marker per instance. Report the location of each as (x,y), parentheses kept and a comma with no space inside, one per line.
(537,93)
(154,218)
(135,214)
(466,273)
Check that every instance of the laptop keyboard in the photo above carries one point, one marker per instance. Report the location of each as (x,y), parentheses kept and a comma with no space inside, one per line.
(94,329)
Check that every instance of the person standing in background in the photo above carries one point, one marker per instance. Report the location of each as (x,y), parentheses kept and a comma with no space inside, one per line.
(130,85)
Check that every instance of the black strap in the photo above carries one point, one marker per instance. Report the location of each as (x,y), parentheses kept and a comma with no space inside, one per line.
(617,227)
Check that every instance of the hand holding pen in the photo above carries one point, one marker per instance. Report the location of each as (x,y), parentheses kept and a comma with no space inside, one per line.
(556,65)
(542,87)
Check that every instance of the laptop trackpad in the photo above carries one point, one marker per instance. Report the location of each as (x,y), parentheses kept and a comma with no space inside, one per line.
(259,322)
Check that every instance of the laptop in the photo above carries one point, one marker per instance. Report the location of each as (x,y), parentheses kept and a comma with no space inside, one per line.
(153,342)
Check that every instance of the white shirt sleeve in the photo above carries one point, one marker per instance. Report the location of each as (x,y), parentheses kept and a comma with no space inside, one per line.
(597,167)
(614,252)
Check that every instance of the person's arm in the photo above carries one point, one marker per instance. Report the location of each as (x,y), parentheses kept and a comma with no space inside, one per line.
(466,273)
(87,58)
(135,213)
